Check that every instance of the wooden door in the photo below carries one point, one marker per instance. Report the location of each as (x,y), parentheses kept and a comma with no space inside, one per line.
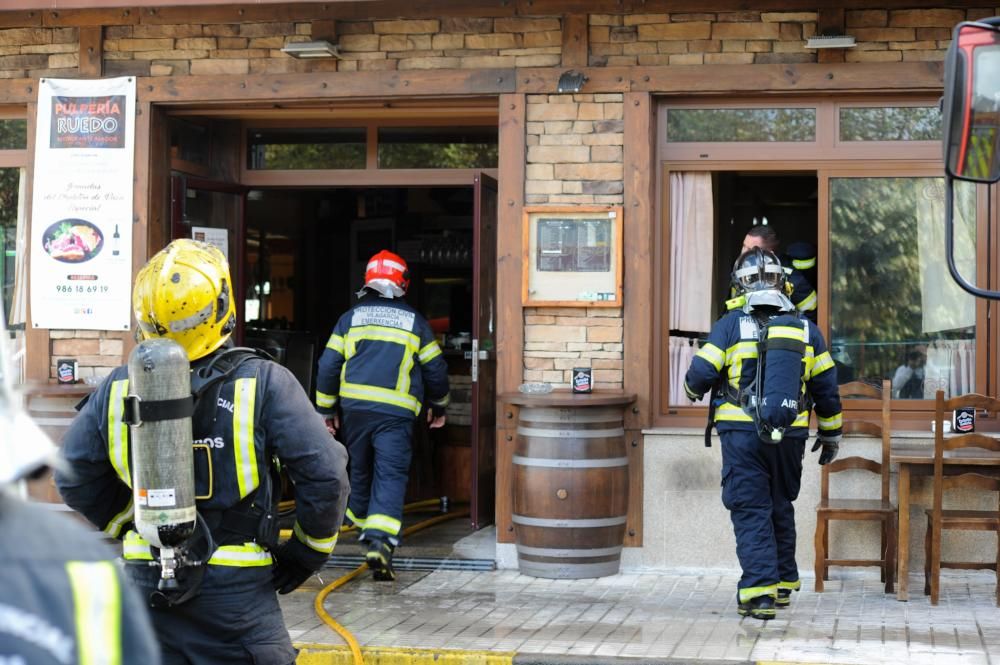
(484,375)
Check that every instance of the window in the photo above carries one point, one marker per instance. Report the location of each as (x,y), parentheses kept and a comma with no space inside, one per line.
(316,148)
(741,125)
(894,311)
(437,148)
(890,123)
(861,181)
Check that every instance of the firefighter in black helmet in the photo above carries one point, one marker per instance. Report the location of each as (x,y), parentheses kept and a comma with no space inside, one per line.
(763,422)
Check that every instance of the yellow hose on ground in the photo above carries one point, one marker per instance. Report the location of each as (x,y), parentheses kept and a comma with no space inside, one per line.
(321,612)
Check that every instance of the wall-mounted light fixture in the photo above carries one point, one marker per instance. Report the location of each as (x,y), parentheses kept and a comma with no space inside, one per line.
(571,81)
(317,49)
(830,41)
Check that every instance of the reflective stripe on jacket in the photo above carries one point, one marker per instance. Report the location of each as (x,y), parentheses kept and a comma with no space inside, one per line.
(731,353)
(259,412)
(382,356)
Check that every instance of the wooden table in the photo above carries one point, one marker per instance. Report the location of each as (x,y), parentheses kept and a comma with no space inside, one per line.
(918,460)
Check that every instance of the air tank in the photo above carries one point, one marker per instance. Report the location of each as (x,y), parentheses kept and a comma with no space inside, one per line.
(163,489)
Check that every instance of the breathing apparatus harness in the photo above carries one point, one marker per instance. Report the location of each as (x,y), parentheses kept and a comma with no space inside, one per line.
(182,567)
(759,280)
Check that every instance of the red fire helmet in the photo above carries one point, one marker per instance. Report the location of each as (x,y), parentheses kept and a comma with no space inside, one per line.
(388,267)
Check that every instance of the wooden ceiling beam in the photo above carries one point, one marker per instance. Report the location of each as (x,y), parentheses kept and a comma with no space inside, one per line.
(126,12)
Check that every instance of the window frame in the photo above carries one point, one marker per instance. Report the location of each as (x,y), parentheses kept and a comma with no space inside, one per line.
(828,158)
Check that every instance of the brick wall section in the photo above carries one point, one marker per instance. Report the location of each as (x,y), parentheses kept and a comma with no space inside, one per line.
(255,48)
(574,156)
(96,351)
(750,37)
(558,339)
(37,52)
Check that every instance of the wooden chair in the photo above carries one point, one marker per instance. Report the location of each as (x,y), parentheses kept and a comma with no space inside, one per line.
(939,519)
(879,510)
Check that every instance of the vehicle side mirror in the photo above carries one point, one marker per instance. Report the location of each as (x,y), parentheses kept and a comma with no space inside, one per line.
(971,102)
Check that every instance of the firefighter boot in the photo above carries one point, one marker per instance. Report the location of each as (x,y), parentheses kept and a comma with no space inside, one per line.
(785,590)
(759,607)
(379,559)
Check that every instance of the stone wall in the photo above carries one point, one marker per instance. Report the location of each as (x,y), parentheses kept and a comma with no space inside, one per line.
(37,52)
(255,48)
(97,352)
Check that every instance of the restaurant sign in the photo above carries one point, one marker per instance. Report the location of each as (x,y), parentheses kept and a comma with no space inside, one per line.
(81,222)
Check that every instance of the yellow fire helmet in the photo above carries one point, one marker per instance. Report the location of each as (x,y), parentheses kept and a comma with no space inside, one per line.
(185,293)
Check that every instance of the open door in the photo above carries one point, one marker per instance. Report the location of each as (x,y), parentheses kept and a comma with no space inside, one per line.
(214,212)
(484,374)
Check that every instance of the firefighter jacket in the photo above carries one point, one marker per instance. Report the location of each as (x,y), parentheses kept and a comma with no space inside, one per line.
(730,356)
(62,599)
(382,357)
(255,417)
(803,294)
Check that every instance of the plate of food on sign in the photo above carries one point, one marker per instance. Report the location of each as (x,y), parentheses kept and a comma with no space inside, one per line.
(73,240)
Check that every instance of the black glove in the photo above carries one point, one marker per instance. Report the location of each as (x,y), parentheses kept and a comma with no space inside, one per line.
(293,565)
(831,446)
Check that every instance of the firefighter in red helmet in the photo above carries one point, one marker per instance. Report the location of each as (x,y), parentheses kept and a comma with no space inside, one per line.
(381,367)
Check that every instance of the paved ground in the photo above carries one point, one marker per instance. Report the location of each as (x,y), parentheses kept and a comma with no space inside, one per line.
(662,615)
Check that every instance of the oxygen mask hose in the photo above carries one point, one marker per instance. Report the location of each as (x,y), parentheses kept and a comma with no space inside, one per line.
(318,603)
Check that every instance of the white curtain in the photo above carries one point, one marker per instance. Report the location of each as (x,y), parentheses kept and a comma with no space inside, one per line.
(681,351)
(951,367)
(945,306)
(692,222)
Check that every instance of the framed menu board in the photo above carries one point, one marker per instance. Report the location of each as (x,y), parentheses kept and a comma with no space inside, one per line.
(572,256)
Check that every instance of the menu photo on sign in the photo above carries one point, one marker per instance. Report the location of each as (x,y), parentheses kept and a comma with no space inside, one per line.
(81,222)
(572,256)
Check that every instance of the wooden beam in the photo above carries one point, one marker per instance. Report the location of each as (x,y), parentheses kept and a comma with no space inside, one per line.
(64,19)
(29,19)
(92,52)
(332,85)
(633,525)
(575,39)
(510,319)
(127,12)
(695,79)
(325,29)
(18,91)
(36,340)
(640,224)
(831,22)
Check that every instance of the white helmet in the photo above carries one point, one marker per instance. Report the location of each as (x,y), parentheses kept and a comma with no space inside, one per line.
(24,447)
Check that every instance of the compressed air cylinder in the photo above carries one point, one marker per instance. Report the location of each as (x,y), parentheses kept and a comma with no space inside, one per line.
(784,349)
(162,454)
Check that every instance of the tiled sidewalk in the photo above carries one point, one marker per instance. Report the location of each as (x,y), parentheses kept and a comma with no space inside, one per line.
(659,615)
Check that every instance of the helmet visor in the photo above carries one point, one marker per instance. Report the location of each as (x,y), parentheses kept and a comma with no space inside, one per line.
(757,272)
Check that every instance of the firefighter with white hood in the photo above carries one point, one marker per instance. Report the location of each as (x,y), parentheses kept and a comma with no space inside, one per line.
(62,598)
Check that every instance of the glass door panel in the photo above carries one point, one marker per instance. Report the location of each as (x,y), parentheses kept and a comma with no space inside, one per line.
(895,312)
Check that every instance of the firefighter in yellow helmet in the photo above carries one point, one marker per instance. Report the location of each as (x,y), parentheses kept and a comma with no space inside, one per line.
(63,600)
(249,412)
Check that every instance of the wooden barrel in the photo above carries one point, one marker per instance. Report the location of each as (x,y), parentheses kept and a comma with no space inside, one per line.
(570,479)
